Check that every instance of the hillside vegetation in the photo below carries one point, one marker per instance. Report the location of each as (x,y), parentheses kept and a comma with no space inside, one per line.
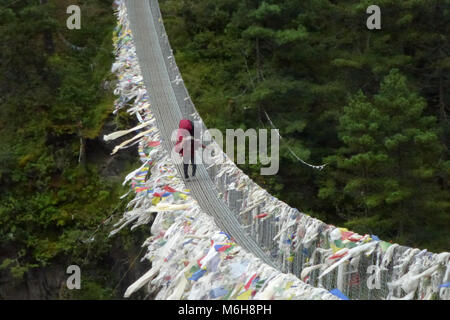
(372,104)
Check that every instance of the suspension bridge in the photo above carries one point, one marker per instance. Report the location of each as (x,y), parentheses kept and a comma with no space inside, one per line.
(221,236)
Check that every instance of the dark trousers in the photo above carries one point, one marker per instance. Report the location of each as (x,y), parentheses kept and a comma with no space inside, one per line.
(186,167)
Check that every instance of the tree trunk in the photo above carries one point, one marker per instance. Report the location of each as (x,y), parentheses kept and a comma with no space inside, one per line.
(48,36)
(82,156)
(259,78)
(442,112)
(258,61)
(443,121)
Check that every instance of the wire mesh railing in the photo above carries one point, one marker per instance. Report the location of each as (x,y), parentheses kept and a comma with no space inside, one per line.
(358,267)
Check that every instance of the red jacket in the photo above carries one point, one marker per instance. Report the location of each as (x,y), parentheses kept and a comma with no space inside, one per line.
(186,125)
(184,137)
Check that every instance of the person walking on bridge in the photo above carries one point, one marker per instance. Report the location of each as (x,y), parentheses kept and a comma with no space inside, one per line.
(187,146)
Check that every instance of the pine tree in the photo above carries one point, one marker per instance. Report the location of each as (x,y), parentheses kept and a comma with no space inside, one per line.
(389,164)
(300,60)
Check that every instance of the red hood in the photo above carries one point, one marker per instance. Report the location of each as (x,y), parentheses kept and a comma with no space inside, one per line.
(186,125)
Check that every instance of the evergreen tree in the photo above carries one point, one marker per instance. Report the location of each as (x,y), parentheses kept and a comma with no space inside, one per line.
(52,95)
(299,60)
(385,175)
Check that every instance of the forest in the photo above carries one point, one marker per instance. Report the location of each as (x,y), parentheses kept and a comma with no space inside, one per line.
(59,185)
(373,105)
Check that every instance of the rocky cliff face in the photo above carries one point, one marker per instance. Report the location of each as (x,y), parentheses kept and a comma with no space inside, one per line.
(49,283)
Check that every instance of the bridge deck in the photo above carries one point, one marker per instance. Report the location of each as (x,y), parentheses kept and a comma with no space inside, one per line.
(167,112)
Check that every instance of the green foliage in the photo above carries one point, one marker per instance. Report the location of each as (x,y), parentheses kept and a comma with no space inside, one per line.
(372,104)
(53,207)
(91,290)
(387,167)
(303,62)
